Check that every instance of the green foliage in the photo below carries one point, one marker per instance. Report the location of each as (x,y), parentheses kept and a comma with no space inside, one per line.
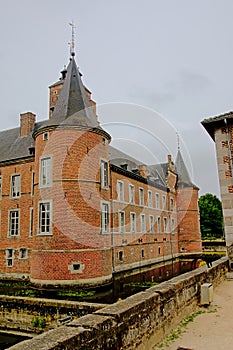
(39,322)
(145,285)
(211,217)
(76,293)
(35,322)
(42,322)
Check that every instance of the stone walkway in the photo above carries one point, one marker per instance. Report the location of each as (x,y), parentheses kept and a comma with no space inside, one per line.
(212,329)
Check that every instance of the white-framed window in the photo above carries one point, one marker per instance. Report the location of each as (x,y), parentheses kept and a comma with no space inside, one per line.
(120,191)
(172,225)
(15,186)
(31,222)
(121,221)
(143,222)
(45,171)
(165,225)
(141,196)
(0,187)
(149,199)
(32,184)
(13,226)
(131,193)
(45,218)
(157,206)
(104,217)
(164,202)
(10,257)
(132,222)
(23,253)
(151,223)
(104,173)
(171,204)
(158,224)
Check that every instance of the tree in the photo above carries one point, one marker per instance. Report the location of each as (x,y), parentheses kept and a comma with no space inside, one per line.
(211,217)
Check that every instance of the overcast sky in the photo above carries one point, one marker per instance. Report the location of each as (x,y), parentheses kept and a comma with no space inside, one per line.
(168,60)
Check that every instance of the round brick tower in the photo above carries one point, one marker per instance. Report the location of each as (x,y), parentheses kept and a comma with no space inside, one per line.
(189,235)
(72,240)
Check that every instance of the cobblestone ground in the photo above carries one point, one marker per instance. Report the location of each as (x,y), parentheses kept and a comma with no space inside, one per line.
(210,329)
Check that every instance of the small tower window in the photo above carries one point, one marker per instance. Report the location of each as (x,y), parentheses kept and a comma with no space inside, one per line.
(143,253)
(45,136)
(120,255)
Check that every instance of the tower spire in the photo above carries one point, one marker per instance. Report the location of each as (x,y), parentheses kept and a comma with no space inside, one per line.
(178,140)
(72,52)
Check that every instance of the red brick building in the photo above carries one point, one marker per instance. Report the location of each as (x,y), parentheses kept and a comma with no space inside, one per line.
(76,211)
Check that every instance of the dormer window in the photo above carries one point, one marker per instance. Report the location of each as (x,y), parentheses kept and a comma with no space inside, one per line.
(124,166)
(31,151)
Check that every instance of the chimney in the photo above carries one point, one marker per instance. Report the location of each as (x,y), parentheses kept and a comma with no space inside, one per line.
(27,122)
(143,171)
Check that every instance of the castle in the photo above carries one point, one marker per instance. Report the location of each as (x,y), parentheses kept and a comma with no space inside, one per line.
(76,211)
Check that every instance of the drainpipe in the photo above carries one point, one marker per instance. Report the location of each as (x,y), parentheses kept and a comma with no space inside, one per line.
(112,231)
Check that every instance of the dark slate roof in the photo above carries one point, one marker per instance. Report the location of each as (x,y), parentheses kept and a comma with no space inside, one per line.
(156,173)
(211,123)
(73,106)
(119,158)
(61,81)
(182,172)
(13,146)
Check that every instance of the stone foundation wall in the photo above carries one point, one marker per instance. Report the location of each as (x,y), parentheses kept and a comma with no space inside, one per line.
(136,322)
(35,315)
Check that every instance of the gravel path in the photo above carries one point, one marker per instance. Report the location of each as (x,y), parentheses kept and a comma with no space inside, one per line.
(212,329)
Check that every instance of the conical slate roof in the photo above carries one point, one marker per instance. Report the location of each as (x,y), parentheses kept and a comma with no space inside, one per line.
(182,172)
(73,106)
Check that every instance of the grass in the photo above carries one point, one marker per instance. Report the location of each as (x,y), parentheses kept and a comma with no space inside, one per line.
(180,329)
(141,284)
(76,293)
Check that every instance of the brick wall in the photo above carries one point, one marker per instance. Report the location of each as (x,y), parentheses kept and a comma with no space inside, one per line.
(22,203)
(27,122)
(142,247)
(188,220)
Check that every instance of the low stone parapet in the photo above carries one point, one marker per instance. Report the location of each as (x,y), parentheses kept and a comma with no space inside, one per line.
(138,322)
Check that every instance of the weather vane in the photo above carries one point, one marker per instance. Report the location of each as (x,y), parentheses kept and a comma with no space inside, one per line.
(72,53)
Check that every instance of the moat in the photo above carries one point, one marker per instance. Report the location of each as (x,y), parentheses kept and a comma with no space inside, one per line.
(10,339)
(123,287)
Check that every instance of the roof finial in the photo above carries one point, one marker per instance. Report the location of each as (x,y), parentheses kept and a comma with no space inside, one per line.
(72,53)
(178,140)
